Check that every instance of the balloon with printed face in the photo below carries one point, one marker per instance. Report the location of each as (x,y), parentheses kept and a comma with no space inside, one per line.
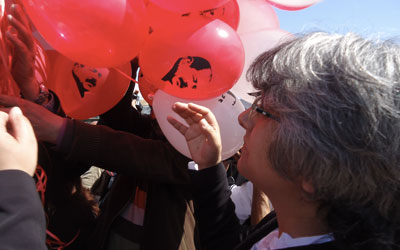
(193,62)
(99,33)
(292,4)
(256,15)
(226,109)
(85,91)
(186,6)
(160,18)
(254,44)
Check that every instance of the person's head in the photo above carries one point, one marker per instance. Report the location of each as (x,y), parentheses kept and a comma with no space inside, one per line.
(336,100)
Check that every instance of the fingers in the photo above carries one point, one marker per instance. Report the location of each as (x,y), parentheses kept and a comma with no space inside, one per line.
(20,127)
(177,125)
(194,113)
(18,44)
(3,122)
(183,110)
(206,113)
(22,43)
(10,101)
(196,116)
(209,131)
(20,22)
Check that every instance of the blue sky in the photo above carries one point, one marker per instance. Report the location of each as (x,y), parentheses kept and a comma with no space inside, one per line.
(365,17)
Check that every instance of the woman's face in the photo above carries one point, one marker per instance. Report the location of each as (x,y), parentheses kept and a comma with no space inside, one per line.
(254,162)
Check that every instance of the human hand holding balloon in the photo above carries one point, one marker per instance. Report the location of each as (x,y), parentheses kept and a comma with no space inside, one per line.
(226,108)
(23,60)
(202,135)
(47,125)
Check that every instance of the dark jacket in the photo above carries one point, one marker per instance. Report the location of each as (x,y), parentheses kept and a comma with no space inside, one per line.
(218,225)
(169,222)
(22,221)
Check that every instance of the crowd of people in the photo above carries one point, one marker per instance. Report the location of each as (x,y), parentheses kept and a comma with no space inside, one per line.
(322,143)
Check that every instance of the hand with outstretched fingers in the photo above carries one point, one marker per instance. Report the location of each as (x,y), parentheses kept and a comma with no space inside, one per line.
(202,135)
(23,60)
(16,138)
(46,125)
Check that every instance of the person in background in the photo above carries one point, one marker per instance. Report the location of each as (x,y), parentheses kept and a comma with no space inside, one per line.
(322,142)
(136,100)
(22,220)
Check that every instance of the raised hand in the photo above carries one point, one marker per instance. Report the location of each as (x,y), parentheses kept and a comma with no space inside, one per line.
(23,62)
(18,146)
(47,125)
(202,135)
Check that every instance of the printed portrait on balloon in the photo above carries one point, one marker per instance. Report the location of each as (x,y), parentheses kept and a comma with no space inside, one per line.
(193,62)
(85,91)
(189,71)
(87,78)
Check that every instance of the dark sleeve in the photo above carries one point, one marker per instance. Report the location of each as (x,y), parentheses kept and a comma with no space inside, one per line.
(22,220)
(215,212)
(124,153)
(123,116)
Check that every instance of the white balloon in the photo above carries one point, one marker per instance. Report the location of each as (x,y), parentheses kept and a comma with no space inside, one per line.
(254,44)
(226,109)
(256,15)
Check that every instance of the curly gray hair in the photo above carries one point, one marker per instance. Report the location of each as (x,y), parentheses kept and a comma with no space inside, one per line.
(338,97)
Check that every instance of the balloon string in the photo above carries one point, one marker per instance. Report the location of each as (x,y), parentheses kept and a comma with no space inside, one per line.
(55,243)
(125,75)
(41,182)
(52,240)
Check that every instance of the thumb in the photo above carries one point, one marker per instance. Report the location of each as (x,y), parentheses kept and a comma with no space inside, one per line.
(20,127)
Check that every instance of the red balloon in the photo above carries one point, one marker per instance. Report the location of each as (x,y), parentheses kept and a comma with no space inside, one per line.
(292,4)
(193,62)
(184,6)
(160,18)
(85,91)
(229,13)
(99,33)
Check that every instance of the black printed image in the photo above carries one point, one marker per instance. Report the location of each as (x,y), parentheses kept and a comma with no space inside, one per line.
(85,78)
(223,97)
(189,72)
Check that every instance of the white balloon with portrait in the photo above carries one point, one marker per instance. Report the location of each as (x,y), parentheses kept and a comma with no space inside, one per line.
(226,109)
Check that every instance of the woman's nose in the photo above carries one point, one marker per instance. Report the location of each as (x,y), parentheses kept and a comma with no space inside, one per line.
(244,120)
